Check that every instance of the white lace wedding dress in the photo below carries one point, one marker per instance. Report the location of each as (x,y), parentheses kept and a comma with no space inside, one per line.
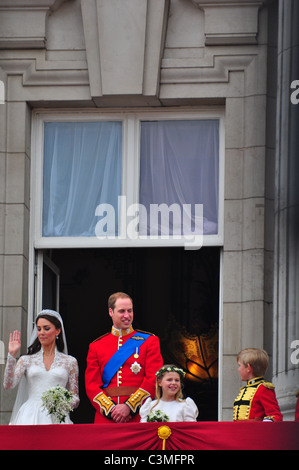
(63,372)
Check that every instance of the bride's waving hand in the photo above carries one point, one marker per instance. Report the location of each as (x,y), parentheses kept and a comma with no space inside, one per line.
(14,344)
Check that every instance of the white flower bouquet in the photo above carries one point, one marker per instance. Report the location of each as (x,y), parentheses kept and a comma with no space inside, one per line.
(57,401)
(157,417)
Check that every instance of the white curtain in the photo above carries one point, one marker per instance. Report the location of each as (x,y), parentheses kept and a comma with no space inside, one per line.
(179,165)
(82,169)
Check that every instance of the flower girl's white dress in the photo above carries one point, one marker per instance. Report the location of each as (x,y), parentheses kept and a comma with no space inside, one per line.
(182,410)
(31,368)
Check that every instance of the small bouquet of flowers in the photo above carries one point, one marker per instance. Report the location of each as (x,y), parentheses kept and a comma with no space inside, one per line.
(157,417)
(57,401)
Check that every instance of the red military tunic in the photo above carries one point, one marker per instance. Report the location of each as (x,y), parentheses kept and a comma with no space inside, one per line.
(132,383)
(257,401)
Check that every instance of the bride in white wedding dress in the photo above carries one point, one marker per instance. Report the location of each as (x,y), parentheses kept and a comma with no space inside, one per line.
(46,365)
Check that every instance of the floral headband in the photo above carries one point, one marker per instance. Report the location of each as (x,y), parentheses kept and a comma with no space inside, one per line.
(165,369)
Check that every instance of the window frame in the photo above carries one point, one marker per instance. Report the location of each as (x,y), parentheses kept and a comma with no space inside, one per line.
(131,126)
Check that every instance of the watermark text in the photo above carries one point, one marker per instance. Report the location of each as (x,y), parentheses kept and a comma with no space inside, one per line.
(295,353)
(158,221)
(2,92)
(295,94)
(2,353)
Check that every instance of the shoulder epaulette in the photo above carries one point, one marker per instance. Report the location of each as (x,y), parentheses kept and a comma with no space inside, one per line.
(100,337)
(269,385)
(147,332)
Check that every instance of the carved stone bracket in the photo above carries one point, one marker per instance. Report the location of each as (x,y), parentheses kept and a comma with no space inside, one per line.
(30,33)
(230,22)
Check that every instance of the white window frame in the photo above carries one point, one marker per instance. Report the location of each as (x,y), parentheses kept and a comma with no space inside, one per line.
(130,173)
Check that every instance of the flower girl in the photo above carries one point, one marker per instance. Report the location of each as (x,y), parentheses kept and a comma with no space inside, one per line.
(169,404)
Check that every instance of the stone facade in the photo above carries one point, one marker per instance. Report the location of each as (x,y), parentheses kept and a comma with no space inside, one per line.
(191,54)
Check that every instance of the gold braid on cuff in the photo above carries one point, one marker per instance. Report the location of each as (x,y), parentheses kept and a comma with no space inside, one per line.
(106,404)
(136,399)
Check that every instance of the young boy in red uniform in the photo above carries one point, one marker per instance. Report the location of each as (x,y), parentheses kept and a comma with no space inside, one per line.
(257,400)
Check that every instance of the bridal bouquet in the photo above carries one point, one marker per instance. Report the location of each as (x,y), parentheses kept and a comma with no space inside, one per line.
(57,401)
(157,417)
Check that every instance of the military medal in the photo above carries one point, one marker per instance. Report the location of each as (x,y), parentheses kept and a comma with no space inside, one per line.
(136,355)
(135,368)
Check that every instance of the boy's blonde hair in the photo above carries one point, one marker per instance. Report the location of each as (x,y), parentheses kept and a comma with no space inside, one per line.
(258,359)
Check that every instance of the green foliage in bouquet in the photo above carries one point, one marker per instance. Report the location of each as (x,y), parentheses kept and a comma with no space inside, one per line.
(157,417)
(57,402)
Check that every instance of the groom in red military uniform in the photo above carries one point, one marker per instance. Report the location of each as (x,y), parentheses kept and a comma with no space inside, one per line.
(121,366)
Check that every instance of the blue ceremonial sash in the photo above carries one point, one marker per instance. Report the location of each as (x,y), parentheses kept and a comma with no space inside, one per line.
(121,355)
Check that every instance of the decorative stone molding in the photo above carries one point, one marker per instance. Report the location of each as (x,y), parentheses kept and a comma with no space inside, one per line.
(230,22)
(216,72)
(124,50)
(23,22)
(39,72)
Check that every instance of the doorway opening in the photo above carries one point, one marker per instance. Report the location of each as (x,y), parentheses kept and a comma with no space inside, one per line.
(176,297)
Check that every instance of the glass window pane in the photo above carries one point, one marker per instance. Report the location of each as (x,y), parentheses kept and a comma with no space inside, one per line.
(82,169)
(179,165)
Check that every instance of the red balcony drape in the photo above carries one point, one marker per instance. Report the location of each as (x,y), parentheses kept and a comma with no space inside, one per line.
(144,436)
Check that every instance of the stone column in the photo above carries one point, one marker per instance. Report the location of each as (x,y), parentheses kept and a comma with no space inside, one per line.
(286,265)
